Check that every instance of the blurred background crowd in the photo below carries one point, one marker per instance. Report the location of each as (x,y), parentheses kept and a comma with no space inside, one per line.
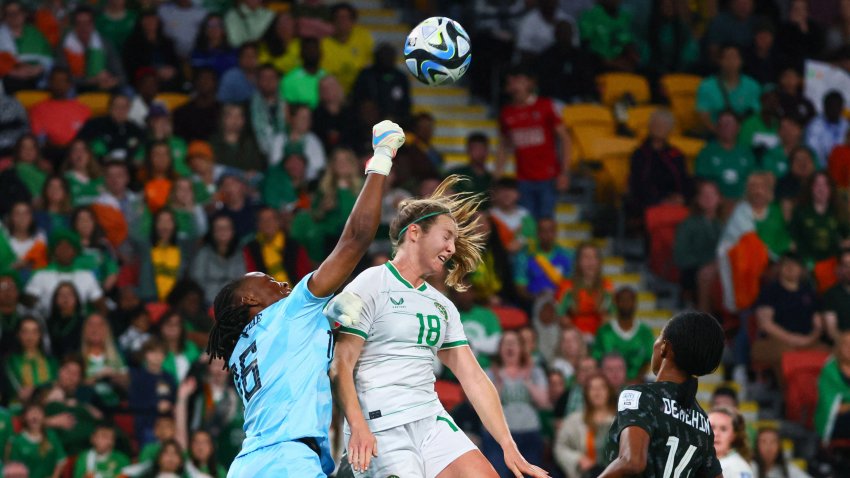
(634,157)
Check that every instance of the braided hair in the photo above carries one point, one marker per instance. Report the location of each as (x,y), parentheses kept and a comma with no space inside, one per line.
(697,341)
(231,317)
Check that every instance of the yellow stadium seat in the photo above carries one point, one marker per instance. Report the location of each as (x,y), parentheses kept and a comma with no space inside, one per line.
(614,152)
(612,87)
(681,90)
(278,7)
(29,98)
(690,147)
(680,83)
(97,102)
(584,136)
(172,101)
(638,119)
(587,114)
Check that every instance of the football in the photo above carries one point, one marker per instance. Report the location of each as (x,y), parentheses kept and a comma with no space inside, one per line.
(438,51)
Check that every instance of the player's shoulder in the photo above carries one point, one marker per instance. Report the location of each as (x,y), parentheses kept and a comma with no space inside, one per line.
(636,397)
(370,277)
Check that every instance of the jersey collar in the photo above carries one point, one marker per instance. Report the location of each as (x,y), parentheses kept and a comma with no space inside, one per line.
(404,281)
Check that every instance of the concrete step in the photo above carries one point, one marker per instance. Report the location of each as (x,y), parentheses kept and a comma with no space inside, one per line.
(567,212)
(454,160)
(579,231)
(646,301)
(378,16)
(604,244)
(632,280)
(613,266)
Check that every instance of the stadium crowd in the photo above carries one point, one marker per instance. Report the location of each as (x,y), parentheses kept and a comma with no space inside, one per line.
(120,228)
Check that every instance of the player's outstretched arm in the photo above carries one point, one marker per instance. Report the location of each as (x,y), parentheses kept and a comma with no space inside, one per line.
(362,445)
(634,446)
(363,222)
(485,400)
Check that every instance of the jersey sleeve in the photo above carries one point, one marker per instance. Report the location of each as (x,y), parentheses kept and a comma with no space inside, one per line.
(635,409)
(299,303)
(364,286)
(455,336)
(710,466)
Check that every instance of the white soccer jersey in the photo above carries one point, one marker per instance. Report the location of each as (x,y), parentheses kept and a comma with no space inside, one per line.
(734,466)
(404,327)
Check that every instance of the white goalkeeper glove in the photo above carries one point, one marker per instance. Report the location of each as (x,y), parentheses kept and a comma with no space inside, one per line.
(387,137)
(344,309)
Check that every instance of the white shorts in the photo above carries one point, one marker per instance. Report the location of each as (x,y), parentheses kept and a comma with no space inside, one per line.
(420,449)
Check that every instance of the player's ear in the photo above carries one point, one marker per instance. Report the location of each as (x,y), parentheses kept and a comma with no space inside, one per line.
(249,299)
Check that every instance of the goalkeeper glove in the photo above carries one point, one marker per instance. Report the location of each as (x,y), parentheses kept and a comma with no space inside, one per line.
(387,137)
(344,309)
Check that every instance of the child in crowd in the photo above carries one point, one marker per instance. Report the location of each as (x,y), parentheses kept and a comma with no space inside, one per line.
(101,461)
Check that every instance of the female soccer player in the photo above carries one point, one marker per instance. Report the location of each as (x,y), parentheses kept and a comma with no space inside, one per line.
(383,372)
(660,429)
(279,350)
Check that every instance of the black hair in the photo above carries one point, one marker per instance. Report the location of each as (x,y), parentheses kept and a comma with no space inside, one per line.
(41,333)
(248,46)
(759,460)
(54,317)
(82,10)
(274,43)
(725,391)
(730,46)
(157,329)
(210,239)
(269,67)
(33,227)
(201,43)
(211,463)
(148,162)
(477,137)
(181,289)
(338,7)
(296,107)
(231,317)
(521,70)
(172,443)
(697,340)
(505,183)
(729,112)
(833,95)
(97,235)
(154,238)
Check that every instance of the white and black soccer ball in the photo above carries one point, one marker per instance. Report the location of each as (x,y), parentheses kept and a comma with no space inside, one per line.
(437,51)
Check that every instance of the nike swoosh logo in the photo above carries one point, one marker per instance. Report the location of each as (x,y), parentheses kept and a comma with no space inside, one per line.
(381,137)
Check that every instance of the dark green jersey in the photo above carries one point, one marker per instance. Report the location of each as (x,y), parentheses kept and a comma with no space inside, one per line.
(681,444)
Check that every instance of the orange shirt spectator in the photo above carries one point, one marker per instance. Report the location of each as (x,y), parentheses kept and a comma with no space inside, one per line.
(58,118)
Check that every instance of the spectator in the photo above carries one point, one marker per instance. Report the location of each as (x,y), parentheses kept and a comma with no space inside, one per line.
(764,61)
(792,102)
(832,414)
(820,226)
(728,90)
(64,248)
(732,27)
(670,46)
(838,34)
(724,397)
(29,365)
(190,216)
(115,23)
(523,388)
(211,49)
(730,442)
(800,37)
(586,298)
(384,84)
(236,203)
(217,262)
(488,280)
(272,251)
(15,469)
(12,310)
(187,298)
(544,266)
(337,191)
(606,28)
(29,165)
(165,431)
(787,316)
(567,73)
(800,171)
(724,161)
(349,48)
(571,350)
(234,146)
(14,124)
(157,175)
(544,318)
(657,172)
(695,246)
(96,253)
(26,241)
(82,173)
(835,305)
(181,22)
(65,322)
(581,438)
(239,82)
(14,190)
(127,303)
(31,55)
(494,24)
(775,159)
(199,118)
(164,259)
(113,134)
(205,173)
(119,198)
(481,326)
(613,367)
(313,19)
(105,370)
(535,31)
(160,127)
(279,46)
(101,459)
(768,457)
(839,166)
(284,186)
(302,140)
(627,336)
(57,120)
(180,353)
(268,114)
(513,223)
(152,391)
(478,177)
(54,210)
(333,117)
(52,19)
(36,446)
(201,459)
(418,159)
(170,461)
(529,126)
(829,129)
(147,89)
(247,21)
(573,400)
(301,84)
(760,131)
(136,336)
(92,63)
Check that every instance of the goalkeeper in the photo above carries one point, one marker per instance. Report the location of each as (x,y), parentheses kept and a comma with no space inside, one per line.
(279,350)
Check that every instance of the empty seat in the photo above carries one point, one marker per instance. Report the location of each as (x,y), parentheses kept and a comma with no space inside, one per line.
(29,98)
(97,102)
(612,87)
(681,90)
(172,101)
